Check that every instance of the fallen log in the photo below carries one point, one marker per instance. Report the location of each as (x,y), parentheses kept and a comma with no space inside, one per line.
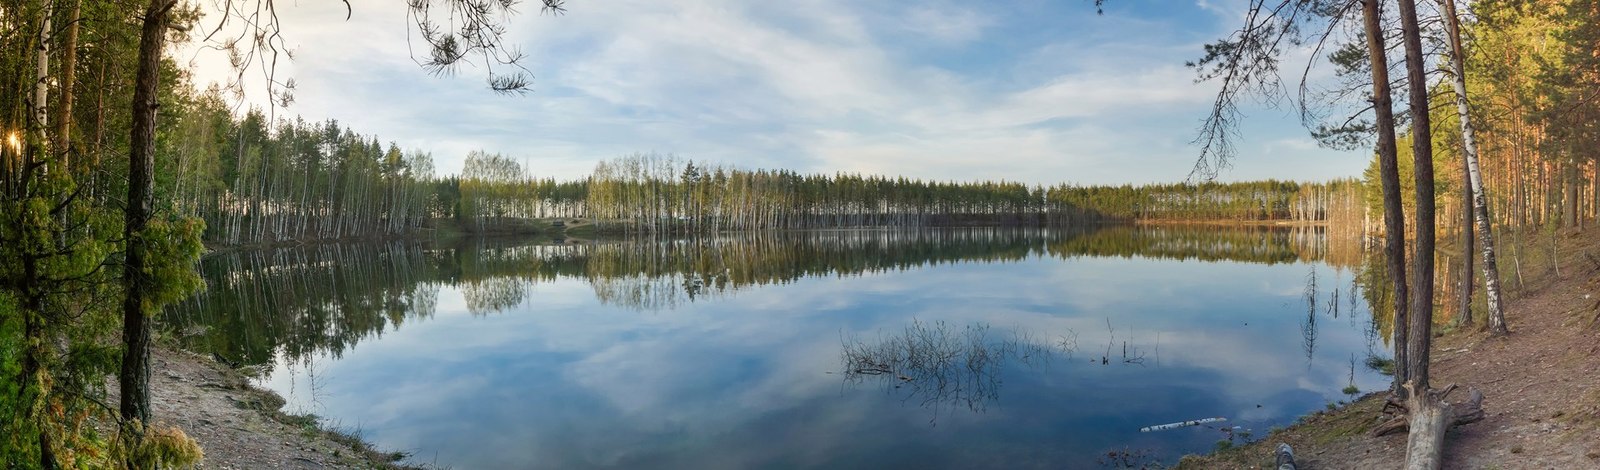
(1180,424)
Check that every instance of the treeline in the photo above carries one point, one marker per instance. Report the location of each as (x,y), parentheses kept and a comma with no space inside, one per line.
(493,190)
(654,193)
(258,181)
(254,180)
(1339,199)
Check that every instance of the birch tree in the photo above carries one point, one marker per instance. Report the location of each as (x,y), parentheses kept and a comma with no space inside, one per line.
(1479,213)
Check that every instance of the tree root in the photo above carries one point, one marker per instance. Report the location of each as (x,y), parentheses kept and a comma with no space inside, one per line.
(1470,411)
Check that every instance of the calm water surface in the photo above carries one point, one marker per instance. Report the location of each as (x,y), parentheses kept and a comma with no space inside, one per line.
(961,348)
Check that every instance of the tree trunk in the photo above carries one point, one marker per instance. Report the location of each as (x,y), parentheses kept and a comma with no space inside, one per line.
(99,115)
(1479,198)
(1388,167)
(135,377)
(1430,418)
(1420,334)
(41,80)
(1438,414)
(1569,194)
(1425,441)
(1464,304)
(38,356)
(69,80)
(35,362)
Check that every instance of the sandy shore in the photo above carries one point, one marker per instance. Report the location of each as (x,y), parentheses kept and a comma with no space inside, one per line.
(240,426)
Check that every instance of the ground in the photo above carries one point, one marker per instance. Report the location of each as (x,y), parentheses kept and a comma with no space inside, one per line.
(239,426)
(1542,385)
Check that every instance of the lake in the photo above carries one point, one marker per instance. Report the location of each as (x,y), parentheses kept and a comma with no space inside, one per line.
(948,348)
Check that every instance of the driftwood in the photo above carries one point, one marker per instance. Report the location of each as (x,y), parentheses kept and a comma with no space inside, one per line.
(1427,419)
(1180,424)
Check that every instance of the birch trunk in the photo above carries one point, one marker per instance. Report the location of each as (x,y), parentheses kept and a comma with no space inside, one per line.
(41,79)
(1469,151)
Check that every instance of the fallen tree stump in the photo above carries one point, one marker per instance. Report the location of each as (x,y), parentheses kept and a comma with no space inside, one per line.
(1470,411)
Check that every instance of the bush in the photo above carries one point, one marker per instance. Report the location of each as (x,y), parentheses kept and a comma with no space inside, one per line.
(166,446)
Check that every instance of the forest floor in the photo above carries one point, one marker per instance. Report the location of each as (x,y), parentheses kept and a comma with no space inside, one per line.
(239,426)
(1541,384)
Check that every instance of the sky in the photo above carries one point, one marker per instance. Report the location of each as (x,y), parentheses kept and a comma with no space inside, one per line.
(1037,91)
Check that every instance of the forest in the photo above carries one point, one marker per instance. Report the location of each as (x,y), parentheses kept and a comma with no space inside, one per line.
(254,180)
(1518,144)
(117,173)
(257,182)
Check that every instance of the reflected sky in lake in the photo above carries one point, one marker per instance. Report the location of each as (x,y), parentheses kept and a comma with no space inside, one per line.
(562,374)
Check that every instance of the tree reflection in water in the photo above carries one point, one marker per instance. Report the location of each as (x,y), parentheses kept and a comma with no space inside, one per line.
(1308,327)
(299,301)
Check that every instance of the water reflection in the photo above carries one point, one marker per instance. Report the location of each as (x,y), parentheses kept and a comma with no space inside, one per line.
(937,365)
(510,354)
(305,301)
(1308,327)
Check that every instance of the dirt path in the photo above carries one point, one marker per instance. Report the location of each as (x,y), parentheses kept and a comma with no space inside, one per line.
(1542,388)
(239,426)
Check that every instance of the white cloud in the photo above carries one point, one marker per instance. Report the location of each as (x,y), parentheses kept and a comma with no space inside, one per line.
(1300,144)
(824,85)
(946,25)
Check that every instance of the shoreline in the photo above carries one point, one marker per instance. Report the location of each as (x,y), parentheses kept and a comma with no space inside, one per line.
(1541,386)
(239,425)
(582,228)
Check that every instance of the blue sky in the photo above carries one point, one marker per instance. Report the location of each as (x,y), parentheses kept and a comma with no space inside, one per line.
(1037,91)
